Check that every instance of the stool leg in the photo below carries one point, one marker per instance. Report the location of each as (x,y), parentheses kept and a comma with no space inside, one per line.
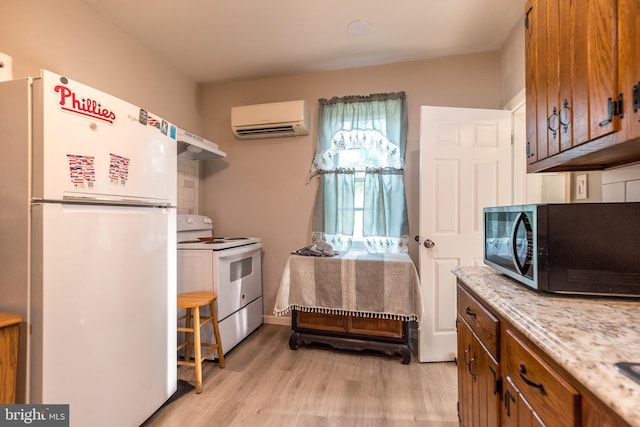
(198,348)
(187,336)
(216,332)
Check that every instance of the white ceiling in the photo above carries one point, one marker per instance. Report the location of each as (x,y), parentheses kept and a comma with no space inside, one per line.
(215,40)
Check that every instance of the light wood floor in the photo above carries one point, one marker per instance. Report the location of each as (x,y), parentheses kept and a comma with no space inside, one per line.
(265,383)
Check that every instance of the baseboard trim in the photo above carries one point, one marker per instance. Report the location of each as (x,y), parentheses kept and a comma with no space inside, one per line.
(277,320)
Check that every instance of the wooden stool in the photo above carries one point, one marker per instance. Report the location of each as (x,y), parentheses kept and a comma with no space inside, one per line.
(192,301)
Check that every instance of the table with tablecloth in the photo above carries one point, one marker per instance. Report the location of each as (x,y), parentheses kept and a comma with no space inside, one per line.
(355,284)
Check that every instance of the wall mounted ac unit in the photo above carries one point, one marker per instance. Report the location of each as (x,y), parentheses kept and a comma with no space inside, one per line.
(278,119)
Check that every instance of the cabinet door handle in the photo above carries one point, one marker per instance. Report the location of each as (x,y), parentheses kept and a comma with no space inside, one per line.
(473,359)
(539,386)
(552,122)
(565,113)
(470,313)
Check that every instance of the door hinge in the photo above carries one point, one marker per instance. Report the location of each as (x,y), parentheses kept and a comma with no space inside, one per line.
(530,152)
(526,17)
(635,94)
(497,382)
(619,104)
(508,400)
(614,108)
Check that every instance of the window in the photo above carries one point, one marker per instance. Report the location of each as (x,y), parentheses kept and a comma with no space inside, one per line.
(359,159)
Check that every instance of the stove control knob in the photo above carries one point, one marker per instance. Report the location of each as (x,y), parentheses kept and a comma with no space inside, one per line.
(189,220)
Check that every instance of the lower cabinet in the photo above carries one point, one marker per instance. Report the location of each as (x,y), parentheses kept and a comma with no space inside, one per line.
(478,381)
(465,379)
(9,343)
(517,411)
(556,402)
(505,380)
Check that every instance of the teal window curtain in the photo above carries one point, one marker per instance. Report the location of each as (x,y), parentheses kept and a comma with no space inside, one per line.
(333,218)
(385,220)
(361,134)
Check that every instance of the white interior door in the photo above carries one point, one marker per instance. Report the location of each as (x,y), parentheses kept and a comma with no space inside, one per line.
(465,165)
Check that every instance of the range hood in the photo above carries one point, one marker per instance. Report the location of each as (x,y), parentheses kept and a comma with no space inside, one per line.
(195,147)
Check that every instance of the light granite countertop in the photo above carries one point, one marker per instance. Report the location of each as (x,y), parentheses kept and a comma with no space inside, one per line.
(586,336)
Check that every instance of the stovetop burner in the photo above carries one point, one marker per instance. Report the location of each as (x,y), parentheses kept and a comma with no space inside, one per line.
(218,244)
(196,232)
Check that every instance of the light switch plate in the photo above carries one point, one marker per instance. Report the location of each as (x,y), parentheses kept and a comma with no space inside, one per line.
(581,187)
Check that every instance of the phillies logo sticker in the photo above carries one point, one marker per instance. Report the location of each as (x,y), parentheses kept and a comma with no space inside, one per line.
(83,106)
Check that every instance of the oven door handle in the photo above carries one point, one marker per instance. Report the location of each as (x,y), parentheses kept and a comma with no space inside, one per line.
(239,250)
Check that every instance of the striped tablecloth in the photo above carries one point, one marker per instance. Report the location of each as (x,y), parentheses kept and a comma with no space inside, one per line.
(356,283)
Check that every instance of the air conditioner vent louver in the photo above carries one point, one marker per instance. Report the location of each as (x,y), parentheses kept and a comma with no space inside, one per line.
(279,129)
(279,119)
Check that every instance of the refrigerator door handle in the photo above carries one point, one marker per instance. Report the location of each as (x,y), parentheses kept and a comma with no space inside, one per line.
(100,199)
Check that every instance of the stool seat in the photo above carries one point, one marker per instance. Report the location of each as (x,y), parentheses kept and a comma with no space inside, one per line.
(192,302)
(195,299)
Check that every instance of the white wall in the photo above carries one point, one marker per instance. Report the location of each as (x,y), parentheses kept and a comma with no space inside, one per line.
(71,39)
(512,64)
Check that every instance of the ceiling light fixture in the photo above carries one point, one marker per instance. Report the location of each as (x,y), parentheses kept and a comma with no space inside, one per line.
(358,28)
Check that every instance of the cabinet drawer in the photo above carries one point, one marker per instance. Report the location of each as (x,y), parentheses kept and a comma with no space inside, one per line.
(371,326)
(484,324)
(552,398)
(350,324)
(321,321)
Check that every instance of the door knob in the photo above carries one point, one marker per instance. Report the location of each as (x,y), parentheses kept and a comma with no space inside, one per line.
(429,243)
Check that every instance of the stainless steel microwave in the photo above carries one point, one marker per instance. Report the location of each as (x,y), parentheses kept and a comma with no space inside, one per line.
(573,248)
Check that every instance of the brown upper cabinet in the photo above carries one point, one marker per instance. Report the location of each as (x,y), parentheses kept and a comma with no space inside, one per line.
(582,84)
(629,63)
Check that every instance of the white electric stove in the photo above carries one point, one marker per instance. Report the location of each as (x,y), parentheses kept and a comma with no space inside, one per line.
(230,267)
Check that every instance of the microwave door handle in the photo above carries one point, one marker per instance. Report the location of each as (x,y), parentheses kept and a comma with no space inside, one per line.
(520,267)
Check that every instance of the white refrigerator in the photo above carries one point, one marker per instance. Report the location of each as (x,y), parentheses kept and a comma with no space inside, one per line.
(88,249)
